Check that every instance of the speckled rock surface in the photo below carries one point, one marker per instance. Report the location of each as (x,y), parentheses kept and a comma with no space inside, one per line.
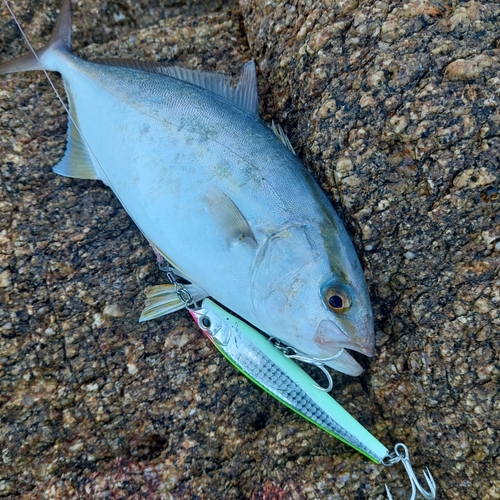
(394,108)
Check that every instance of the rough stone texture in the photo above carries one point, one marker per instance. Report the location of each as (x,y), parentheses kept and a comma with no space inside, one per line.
(394,108)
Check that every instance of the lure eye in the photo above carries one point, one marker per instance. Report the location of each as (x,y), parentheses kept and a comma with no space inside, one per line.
(336,298)
(205,322)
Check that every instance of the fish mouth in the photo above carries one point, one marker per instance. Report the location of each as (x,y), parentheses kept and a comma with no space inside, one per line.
(345,363)
(331,339)
(329,336)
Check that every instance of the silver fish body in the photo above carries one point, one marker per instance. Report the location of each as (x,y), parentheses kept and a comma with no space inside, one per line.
(221,197)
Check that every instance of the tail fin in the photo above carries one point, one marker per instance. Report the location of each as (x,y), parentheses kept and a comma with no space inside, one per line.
(60,40)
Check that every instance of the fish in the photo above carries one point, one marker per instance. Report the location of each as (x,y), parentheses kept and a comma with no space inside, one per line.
(219,194)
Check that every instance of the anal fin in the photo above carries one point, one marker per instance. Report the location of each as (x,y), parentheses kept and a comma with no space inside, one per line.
(76,162)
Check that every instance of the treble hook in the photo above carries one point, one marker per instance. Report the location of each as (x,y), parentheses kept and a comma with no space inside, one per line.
(318,363)
(404,456)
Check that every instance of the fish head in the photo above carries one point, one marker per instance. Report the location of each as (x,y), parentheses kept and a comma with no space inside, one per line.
(309,291)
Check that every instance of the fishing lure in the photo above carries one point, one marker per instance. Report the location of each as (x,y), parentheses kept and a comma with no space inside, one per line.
(268,367)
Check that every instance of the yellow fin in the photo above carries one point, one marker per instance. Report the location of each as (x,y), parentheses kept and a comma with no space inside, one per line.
(163,299)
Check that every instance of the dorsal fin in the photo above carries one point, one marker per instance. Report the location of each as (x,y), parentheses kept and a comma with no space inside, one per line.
(243,96)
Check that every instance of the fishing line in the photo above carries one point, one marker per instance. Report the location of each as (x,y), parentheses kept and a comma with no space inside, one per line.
(70,117)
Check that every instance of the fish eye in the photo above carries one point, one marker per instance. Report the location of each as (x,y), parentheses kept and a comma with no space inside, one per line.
(336,298)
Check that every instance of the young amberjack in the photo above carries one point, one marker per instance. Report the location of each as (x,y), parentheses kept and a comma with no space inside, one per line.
(219,193)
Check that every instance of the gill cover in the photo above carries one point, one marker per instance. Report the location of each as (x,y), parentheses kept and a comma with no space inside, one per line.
(276,277)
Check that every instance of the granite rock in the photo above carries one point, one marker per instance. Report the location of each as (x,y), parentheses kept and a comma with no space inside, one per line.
(394,108)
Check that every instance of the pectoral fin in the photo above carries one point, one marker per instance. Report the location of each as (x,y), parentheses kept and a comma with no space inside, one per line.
(228,218)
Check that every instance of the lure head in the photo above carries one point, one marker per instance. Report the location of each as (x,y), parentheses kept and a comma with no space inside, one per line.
(308,290)
(212,325)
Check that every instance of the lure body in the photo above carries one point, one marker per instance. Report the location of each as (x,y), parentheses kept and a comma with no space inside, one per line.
(257,358)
